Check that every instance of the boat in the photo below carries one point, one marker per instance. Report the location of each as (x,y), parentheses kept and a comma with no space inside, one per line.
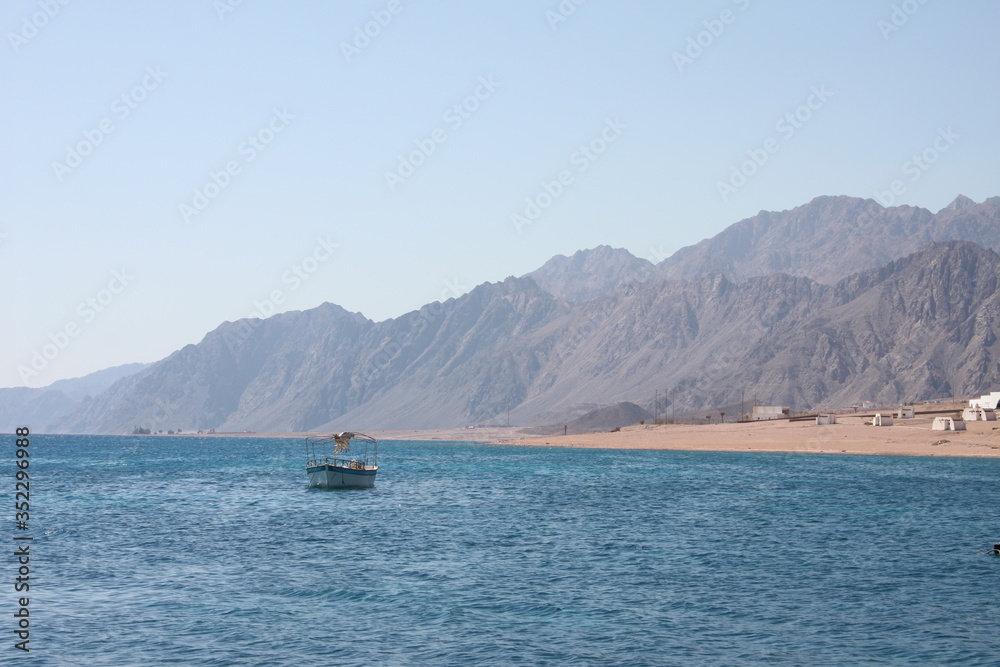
(331,463)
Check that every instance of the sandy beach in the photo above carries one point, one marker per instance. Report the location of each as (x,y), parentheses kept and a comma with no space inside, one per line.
(907,437)
(850,435)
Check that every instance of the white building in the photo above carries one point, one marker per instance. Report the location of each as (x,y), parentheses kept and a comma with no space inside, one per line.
(905,412)
(761,412)
(882,420)
(986,401)
(947,424)
(979,415)
(824,420)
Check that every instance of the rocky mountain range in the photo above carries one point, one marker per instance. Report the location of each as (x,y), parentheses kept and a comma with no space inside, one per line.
(43,406)
(828,304)
(832,237)
(827,239)
(590,274)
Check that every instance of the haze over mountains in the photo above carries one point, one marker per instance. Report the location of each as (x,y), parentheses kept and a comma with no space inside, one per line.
(40,407)
(831,303)
(827,239)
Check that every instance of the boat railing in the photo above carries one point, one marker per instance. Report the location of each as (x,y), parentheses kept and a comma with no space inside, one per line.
(352,464)
(333,450)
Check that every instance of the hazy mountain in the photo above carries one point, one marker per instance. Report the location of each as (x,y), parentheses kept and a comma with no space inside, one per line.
(919,327)
(589,274)
(832,237)
(446,363)
(92,384)
(923,326)
(33,408)
(283,373)
(39,408)
(599,419)
(826,240)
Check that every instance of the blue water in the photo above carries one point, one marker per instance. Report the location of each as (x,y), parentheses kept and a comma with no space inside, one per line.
(190,551)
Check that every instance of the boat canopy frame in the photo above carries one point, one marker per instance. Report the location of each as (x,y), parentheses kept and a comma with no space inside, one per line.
(335,450)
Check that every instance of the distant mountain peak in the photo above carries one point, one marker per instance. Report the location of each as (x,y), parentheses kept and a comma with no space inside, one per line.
(830,238)
(829,303)
(960,203)
(590,274)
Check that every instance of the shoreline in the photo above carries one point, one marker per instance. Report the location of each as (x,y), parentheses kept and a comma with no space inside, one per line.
(907,437)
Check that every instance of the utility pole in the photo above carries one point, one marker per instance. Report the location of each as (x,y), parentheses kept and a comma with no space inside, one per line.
(656,406)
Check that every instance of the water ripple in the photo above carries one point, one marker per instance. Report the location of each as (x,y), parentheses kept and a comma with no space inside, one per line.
(487,555)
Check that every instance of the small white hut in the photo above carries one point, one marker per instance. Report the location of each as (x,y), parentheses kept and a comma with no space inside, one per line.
(825,420)
(882,420)
(762,412)
(905,412)
(979,415)
(947,424)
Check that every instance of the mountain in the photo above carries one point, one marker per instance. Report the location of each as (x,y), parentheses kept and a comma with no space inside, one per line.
(281,373)
(34,408)
(599,419)
(930,322)
(589,274)
(452,363)
(463,362)
(832,237)
(919,327)
(92,384)
(826,240)
(39,408)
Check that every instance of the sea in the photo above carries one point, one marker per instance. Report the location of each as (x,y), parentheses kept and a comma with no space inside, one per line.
(158,550)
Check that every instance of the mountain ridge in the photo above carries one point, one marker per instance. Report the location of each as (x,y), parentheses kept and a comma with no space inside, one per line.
(40,407)
(511,346)
(832,237)
(603,326)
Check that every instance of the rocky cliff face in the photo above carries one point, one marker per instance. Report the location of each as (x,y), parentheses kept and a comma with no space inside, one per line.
(832,237)
(919,327)
(40,408)
(281,373)
(444,364)
(590,274)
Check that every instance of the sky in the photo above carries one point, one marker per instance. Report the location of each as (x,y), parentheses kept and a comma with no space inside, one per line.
(170,166)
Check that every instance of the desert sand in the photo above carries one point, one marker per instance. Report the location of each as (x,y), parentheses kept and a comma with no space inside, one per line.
(850,435)
(906,437)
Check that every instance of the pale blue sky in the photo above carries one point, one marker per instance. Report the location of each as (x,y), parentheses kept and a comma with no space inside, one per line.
(337,125)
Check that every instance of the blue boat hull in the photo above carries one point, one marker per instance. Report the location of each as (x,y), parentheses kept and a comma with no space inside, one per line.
(331,476)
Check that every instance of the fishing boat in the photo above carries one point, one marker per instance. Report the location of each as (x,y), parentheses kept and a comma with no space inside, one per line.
(343,460)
